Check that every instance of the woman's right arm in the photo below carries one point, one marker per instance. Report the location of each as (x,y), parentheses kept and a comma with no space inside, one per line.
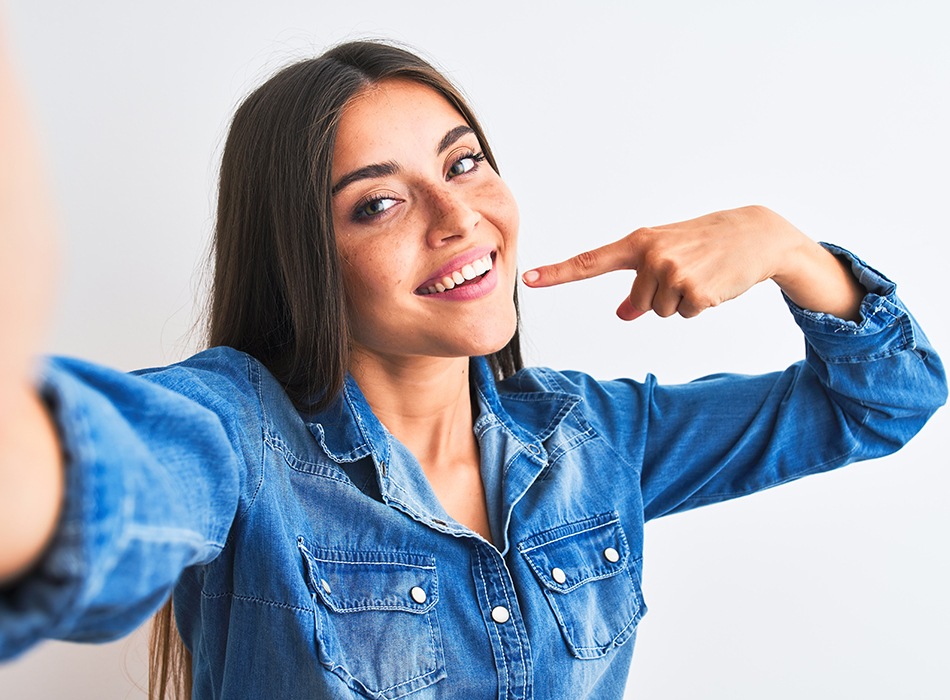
(30,464)
(110,484)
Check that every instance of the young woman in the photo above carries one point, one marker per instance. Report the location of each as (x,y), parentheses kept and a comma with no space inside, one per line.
(358,491)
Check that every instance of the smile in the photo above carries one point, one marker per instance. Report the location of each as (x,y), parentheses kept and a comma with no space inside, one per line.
(470,273)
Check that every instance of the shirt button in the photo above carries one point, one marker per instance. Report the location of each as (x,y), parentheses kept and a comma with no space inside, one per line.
(418,594)
(500,614)
(611,555)
(325,585)
(558,575)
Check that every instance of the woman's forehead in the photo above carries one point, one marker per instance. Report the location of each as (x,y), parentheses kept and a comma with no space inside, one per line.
(391,120)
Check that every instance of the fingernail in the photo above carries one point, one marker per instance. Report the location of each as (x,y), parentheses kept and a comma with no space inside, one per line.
(531,276)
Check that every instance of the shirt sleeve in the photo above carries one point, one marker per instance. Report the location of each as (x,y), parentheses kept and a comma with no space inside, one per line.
(862,391)
(156,463)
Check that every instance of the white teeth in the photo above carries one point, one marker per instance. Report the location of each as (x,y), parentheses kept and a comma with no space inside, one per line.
(457,277)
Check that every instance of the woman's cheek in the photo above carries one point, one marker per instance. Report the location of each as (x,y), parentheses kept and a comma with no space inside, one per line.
(504,211)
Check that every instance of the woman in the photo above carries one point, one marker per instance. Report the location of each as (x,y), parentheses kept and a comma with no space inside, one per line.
(355,492)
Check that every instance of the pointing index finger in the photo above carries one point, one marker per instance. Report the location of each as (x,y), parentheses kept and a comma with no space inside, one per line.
(619,255)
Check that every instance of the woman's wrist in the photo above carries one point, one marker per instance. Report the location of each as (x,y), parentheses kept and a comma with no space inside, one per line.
(815,279)
(31,483)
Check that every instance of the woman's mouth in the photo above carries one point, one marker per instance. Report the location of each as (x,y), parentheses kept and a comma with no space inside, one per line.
(470,273)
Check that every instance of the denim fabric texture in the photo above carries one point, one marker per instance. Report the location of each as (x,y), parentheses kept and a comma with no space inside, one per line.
(309,556)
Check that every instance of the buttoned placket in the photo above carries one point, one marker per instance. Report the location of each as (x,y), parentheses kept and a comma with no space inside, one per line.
(496,597)
(501,612)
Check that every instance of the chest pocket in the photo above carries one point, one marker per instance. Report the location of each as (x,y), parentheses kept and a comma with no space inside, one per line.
(375,619)
(590,581)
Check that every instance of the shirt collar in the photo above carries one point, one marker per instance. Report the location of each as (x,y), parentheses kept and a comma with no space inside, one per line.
(348,430)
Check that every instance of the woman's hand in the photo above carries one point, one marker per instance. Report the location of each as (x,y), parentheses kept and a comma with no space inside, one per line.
(690,266)
(31,473)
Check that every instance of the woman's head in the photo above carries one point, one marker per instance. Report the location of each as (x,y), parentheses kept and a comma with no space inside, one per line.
(278,290)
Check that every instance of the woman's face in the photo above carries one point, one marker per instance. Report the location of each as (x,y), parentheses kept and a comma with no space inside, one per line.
(425,228)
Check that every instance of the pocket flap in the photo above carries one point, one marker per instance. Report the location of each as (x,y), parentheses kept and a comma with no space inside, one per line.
(569,556)
(349,582)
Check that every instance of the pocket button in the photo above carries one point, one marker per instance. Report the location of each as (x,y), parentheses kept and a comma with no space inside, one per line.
(418,595)
(558,575)
(611,555)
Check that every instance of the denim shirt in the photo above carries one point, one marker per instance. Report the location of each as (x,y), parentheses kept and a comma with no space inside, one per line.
(309,556)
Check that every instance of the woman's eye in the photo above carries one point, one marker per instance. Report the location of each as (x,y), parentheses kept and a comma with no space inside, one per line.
(374,207)
(465,164)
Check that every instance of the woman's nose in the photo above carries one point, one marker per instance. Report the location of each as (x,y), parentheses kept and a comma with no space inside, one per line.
(451,215)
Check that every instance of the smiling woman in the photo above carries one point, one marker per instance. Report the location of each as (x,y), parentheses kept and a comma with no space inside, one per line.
(365,494)
(426,218)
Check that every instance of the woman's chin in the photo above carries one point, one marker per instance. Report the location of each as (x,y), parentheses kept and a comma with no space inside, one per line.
(495,340)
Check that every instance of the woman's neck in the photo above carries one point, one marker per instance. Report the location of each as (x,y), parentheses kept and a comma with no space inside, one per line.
(425,402)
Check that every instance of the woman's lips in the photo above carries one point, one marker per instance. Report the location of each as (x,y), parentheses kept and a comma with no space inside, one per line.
(464,275)
(461,269)
(475,288)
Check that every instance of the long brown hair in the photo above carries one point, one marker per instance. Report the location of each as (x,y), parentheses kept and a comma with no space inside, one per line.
(276,291)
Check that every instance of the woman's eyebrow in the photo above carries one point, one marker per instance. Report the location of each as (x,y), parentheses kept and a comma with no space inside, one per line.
(391,168)
(452,136)
(365,173)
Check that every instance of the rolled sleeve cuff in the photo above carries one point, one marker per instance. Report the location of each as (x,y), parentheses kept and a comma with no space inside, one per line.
(885,328)
(48,600)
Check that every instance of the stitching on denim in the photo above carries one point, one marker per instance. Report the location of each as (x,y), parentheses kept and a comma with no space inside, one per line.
(542,576)
(356,454)
(633,620)
(492,628)
(373,563)
(543,375)
(348,606)
(619,567)
(415,507)
(360,424)
(254,375)
(379,606)
(277,444)
(569,401)
(904,327)
(614,520)
(566,447)
(301,543)
(504,576)
(603,649)
(572,444)
(506,465)
(254,599)
(84,451)
(407,681)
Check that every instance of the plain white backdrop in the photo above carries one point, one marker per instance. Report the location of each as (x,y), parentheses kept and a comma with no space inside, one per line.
(604,118)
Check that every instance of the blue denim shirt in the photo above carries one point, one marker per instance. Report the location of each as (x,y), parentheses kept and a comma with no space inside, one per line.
(310,558)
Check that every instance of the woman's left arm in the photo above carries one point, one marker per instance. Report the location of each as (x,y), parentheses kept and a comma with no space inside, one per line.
(869,382)
(690,266)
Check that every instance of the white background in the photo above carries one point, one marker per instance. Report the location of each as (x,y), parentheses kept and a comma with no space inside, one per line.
(604,118)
